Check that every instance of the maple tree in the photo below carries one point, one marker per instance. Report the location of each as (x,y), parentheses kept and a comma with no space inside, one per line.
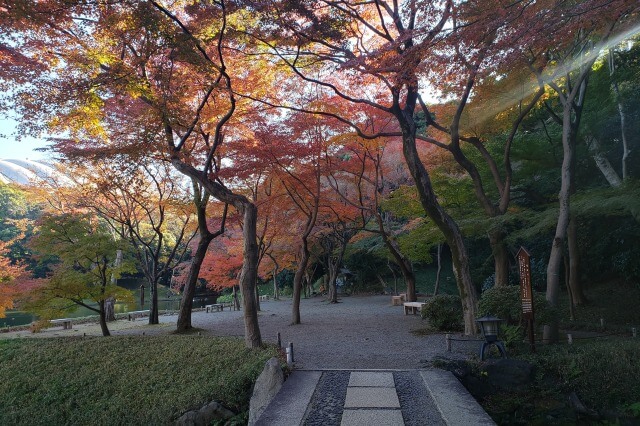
(365,179)
(87,252)
(298,162)
(138,77)
(9,272)
(398,48)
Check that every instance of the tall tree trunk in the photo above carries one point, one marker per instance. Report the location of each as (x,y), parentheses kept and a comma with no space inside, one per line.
(103,319)
(577,292)
(444,222)
(395,278)
(200,201)
(500,257)
(186,307)
(249,276)
(234,296)
(621,112)
(437,284)
(154,314)
(551,332)
(110,303)
(297,281)
(276,290)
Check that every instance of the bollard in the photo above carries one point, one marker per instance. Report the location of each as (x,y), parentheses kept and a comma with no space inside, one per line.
(293,359)
(448,338)
(602,322)
(633,332)
(289,357)
(570,339)
(279,341)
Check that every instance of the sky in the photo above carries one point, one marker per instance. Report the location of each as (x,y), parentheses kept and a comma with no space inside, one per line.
(22,150)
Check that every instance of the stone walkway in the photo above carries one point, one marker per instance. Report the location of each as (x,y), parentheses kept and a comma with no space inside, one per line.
(367,398)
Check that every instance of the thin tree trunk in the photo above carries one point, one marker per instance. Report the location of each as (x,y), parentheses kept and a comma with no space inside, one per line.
(500,257)
(623,116)
(103,319)
(551,332)
(234,296)
(567,279)
(276,290)
(249,276)
(437,284)
(186,307)
(297,281)
(395,278)
(110,303)
(333,276)
(577,293)
(406,268)
(154,315)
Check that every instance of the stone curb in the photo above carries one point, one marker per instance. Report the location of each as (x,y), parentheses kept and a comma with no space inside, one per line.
(455,404)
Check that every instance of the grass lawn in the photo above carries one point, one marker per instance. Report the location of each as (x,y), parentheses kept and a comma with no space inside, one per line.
(123,380)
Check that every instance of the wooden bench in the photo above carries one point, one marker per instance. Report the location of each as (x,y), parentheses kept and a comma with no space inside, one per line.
(66,323)
(264,298)
(137,314)
(216,307)
(396,300)
(414,307)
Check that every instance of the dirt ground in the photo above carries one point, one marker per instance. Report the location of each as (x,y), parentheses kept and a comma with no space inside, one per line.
(360,332)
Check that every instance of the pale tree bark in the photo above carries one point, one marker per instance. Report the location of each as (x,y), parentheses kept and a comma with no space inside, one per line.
(572,102)
(602,162)
(437,284)
(621,112)
(109,305)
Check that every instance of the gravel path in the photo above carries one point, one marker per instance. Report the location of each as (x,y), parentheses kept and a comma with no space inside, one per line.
(360,332)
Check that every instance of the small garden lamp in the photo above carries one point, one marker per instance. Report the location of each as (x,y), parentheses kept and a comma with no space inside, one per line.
(490,327)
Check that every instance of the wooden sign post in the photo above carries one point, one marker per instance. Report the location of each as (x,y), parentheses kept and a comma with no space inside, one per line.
(526,293)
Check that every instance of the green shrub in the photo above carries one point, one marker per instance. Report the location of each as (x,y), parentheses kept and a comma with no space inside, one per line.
(444,312)
(604,374)
(505,303)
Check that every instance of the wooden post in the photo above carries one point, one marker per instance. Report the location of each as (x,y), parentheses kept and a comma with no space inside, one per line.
(526,293)
(634,332)
(448,338)
(291,350)
(279,341)
(570,339)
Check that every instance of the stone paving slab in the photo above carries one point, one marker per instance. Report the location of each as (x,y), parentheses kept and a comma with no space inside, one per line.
(454,402)
(371,398)
(371,379)
(372,417)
